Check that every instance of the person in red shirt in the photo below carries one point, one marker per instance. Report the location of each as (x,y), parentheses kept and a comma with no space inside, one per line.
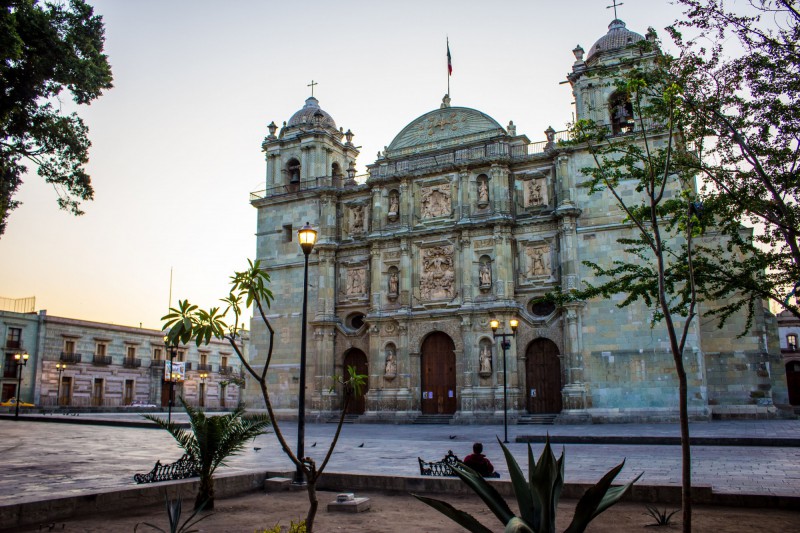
(479,463)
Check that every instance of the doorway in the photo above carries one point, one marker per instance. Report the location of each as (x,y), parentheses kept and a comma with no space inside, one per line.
(66,391)
(438,374)
(9,391)
(356,358)
(543,377)
(793,381)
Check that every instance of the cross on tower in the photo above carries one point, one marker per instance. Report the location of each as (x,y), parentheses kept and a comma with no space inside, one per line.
(615,5)
(313,83)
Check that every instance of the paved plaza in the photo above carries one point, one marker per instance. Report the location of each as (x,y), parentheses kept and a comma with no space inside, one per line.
(45,459)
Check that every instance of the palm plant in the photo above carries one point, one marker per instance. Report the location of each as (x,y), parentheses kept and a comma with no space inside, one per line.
(211,440)
(537,497)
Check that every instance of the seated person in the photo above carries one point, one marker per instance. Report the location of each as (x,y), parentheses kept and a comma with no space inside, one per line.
(479,463)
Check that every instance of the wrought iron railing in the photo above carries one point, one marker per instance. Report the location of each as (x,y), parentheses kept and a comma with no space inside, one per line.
(157,363)
(204,366)
(13,345)
(101,359)
(226,370)
(70,357)
(131,362)
(309,184)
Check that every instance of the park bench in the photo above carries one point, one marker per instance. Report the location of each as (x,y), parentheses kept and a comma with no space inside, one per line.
(181,469)
(439,468)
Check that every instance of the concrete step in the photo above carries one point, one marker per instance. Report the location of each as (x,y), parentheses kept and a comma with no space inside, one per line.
(538,420)
(434,419)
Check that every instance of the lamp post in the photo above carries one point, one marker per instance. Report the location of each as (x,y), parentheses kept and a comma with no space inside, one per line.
(172,349)
(201,398)
(21,359)
(506,344)
(307,237)
(60,367)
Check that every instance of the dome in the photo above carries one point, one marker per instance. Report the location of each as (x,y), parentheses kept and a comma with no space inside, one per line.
(618,37)
(445,126)
(309,114)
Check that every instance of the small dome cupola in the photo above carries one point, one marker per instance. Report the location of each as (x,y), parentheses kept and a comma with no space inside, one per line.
(617,38)
(311,116)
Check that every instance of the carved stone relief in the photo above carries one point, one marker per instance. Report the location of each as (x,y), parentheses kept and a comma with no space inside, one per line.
(390,369)
(485,359)
(536,193)
(394,206)
(435,201)
(483,190)
(356,284)
(485,274)
(393,284)
(418,330)
(539,261)
(437,280)
(357,215)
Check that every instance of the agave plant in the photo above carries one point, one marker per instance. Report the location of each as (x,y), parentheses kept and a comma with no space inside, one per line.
(537,497)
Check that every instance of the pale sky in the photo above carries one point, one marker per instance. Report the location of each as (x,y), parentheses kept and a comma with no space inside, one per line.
(176,144)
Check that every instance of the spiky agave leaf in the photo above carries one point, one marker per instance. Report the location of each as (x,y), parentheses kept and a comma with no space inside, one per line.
(465,520)
(522,488)
(598,498)
(517,525)
(546,481)
(485,491)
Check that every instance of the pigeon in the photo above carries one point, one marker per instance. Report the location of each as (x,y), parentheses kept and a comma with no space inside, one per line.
(256,448)
(361,445)
(452,437)
(313,444)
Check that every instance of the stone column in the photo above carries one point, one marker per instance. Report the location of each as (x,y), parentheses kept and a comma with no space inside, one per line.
(467,268)
(465,204)
(305,172)
(500,189)
(504,262)
(376,287)
(377,214)
(327,283)
(406,274)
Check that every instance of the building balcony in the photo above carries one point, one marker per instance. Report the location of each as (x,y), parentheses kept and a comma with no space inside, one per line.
(187,365)
(102,360)
(157,363)
(70,357)
(13,345)
(204,366)
(131,362)
(226,370)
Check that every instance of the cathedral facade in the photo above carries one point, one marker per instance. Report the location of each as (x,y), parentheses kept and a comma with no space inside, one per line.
(461,221)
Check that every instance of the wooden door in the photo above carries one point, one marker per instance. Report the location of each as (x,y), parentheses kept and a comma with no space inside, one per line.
(357,359)
(165,393)
(438,375)
(543,377)
(793,381)
(66,391)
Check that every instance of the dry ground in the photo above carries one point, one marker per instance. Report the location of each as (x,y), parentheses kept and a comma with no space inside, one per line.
(401,513)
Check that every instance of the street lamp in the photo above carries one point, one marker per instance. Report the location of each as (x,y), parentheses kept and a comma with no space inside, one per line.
(172,350)
(60,367)
(307,237)
(21,359)
(506,344)
(201,397)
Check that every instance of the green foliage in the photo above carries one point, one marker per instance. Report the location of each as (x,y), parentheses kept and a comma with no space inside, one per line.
(46,49)
(537,496)
(299,527)
(662,518)
(211,440)
(174,509)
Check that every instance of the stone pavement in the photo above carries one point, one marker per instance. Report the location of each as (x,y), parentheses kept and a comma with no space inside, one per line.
(42,460)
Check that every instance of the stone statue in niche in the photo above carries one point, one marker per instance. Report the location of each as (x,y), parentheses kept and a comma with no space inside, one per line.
(394,284)
(485,360)
(356,278)
(483,192)
(394,206)
(357,219)
(539,261)
(391,363)
(435,202)
(437,280)
(485,275)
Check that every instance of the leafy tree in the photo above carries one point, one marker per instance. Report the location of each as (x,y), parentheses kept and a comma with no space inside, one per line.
(45,50)
(211,440)
(188,322)
(740,116)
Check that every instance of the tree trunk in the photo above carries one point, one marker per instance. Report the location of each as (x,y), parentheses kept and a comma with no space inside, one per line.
(314,503)
(686,452)
(205,495)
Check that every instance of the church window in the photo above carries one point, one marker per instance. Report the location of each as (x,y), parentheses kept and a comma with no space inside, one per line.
(355,321)
(621,113)
(336,170)
(287,233)
(542,309)
(791,342)
(293,170)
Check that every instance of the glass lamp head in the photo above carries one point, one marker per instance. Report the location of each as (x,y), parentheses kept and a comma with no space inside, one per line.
(494,324)
(307,237)
(514,323)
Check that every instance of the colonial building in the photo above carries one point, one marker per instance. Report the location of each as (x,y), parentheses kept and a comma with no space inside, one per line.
(460,221)
(108,366)
(789,331)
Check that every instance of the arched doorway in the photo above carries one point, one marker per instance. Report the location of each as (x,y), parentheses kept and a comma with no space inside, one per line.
(543,377)
(793,381)
(356,358)
(438,375)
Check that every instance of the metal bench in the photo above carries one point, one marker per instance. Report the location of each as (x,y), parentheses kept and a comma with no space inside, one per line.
(439,468)
(181,469)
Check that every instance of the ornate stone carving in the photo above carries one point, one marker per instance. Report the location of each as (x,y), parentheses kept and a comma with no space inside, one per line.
(483,191)
(357,219)
(485,275)
(437,280)
(394,206)
(539,262)
(390,370)
(485,360)
(435,201)
(394,284)
(484,243)
(536,192)
(356,281)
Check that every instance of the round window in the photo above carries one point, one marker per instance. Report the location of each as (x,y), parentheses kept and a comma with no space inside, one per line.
(543,308)
(355,321)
